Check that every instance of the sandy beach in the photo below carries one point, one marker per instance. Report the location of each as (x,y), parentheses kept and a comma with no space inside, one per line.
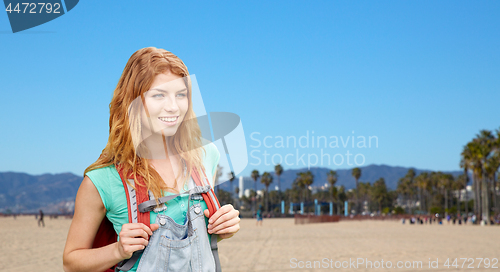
(279,245)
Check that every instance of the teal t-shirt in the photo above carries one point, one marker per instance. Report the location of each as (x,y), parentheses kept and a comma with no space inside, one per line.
(110,188)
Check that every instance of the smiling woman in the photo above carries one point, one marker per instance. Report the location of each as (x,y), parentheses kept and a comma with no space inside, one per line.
(152,179)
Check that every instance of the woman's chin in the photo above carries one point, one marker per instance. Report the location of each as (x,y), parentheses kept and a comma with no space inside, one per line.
(167,132)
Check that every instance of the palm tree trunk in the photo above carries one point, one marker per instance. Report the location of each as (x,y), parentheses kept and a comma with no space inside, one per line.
(255,201)
(485,207)
(477,196)
(266,198)
(494,191)
(231,192)
(466,202)
(279,186)
(429,196)
(419,200)
(445,202)
(358,210)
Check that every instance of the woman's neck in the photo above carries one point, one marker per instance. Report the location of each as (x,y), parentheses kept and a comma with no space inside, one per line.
(158,147)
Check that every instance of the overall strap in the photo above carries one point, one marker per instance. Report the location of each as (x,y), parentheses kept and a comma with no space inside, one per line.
(213,205)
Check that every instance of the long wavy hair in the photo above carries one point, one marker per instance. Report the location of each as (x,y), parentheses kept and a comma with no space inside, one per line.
(120,150)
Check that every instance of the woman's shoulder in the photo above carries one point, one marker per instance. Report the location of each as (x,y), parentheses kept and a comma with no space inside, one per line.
(107,182)
(102,172)
(105,178)
(211,155)
(211,151)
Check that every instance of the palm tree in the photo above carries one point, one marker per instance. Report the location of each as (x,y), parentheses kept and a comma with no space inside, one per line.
(303,181)
(460,183)
(421,182)
(379,192)
(430,189)
(356,173)
(410,175)
(445,182)
(406,187)
(491,167)
(471,154)
(217,176)
(465,161)
(231,179)
(485,141)
(237,199)
(341,197)
(278,170)
(266,179)
(255,177)
(332,179)
(364,191)
(308,179)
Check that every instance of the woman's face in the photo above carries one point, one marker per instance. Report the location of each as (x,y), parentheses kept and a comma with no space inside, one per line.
(166,102)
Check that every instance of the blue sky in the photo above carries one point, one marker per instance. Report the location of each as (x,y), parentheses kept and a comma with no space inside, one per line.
(421,76)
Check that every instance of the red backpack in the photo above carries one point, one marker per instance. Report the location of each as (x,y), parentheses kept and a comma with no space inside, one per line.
(106,233)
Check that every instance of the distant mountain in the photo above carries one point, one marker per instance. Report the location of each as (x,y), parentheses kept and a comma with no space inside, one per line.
(27,193)
(369,173)
(21,192)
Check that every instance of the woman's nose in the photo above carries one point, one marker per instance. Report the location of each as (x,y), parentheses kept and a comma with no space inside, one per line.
(171,105)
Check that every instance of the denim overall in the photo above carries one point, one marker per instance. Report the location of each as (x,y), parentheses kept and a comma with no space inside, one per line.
(174,247)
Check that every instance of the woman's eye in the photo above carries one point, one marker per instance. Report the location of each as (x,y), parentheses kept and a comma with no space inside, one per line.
(182,94)
(158,95)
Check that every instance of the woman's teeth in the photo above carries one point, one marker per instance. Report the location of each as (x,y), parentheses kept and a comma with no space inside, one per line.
(168,119)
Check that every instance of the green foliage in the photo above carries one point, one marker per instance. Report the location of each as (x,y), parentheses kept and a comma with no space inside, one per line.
(224,197)
(452,210)
(386,210)
(399,210)
(436,209)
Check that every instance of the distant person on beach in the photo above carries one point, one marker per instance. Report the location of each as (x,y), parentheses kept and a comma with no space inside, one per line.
(259,216)
(40,219)
(155,158)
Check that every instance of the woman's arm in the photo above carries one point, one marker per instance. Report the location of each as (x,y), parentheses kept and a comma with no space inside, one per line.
(89,212)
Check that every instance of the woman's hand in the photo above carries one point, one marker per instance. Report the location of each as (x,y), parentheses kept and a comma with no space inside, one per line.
(133,237)
(225,222)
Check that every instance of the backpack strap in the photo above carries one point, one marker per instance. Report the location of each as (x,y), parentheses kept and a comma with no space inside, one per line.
(134,196)
(209,197)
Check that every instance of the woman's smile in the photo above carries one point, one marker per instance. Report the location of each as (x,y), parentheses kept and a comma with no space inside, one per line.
(169,121)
